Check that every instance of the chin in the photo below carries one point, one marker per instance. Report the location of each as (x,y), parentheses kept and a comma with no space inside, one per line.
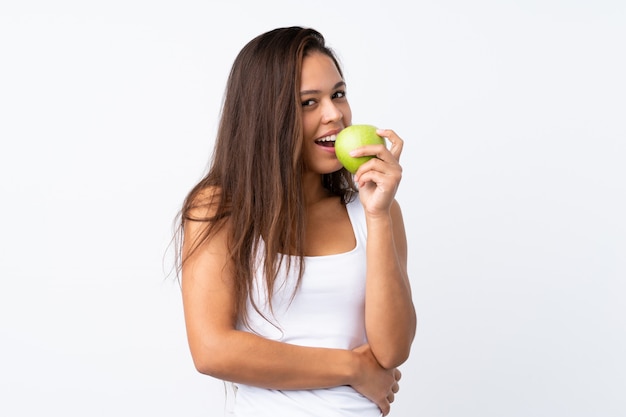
(335,168)
(323,167)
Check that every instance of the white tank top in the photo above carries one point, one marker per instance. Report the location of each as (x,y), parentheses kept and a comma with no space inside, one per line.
(327,311)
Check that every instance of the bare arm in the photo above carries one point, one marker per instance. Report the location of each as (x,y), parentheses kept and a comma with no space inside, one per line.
(389,312)
(220,350)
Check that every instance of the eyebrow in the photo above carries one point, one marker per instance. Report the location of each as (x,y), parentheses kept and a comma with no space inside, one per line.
(336,86)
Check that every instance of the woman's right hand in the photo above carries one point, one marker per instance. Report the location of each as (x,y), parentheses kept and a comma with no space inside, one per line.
(375,382)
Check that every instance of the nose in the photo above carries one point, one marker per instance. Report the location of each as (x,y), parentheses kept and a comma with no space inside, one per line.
(331,113)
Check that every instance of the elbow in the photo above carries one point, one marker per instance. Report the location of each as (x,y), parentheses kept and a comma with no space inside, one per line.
(214,353)
(392,355)
(209,361)
(206,367)
(394,359)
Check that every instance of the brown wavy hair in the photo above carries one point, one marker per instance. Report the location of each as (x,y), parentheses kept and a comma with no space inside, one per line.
(255,177)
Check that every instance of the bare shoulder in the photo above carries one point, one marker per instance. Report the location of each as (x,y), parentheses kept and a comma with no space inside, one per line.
(203,203)
(206,226)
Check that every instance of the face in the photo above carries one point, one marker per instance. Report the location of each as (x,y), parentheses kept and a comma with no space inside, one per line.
(325,111)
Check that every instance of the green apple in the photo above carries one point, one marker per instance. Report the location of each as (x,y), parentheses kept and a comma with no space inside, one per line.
(353,137)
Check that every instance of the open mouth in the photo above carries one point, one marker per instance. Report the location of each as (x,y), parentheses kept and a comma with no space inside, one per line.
(327,141)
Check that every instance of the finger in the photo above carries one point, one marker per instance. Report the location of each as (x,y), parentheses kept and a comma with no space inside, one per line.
(388,165)
(397,374)
(385,407)
(395,388)
(374,171)
(380,181)
(396,142)
(379,151)
(385,163)
(391,397)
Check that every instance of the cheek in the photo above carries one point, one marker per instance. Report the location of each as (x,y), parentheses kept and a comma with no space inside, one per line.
(347,114)
(307,155)
(308,126)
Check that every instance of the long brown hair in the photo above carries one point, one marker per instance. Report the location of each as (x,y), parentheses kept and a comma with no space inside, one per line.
(257,165)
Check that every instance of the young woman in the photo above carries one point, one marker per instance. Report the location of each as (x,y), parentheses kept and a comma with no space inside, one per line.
(294,275)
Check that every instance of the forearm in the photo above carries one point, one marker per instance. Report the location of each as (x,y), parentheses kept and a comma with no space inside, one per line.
(389,312)
(243,357)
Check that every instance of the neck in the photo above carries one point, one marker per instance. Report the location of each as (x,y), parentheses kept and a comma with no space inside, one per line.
(314,192)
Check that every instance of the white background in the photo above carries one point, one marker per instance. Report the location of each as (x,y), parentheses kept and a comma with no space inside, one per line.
(513,113)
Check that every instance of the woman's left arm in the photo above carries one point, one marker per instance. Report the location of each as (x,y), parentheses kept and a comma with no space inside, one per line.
(390,318)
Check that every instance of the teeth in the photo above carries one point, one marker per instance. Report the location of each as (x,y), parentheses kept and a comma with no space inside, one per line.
(330,138)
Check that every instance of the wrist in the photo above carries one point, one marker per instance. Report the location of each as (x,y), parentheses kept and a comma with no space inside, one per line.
(379,220)
(350,368)
(358,361)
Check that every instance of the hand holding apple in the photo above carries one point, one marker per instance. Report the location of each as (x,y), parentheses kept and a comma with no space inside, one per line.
(353,137)
(379,182)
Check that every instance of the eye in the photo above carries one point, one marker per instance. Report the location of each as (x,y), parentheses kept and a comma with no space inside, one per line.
(339,94)
(308,103)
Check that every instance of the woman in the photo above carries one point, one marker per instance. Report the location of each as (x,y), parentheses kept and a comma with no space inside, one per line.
(294,283)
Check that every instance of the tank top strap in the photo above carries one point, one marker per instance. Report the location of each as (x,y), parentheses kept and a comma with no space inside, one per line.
(357,218)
